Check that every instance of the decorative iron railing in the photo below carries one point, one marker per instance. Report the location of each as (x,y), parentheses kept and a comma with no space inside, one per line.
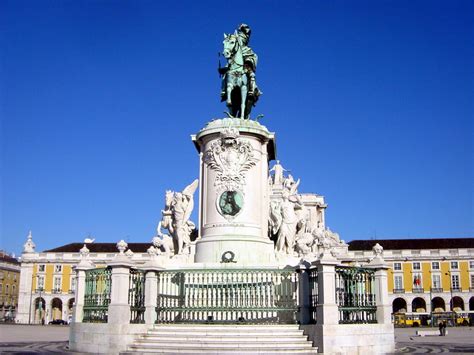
(227,296)
(97,295)
(355,295)
(136,296)
(313,293)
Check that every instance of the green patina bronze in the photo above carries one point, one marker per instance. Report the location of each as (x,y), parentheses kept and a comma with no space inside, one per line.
(230,203)
(227,296)
(239,87)
(355,295)
(97,295)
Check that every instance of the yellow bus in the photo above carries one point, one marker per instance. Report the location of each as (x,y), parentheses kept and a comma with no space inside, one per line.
(411,319)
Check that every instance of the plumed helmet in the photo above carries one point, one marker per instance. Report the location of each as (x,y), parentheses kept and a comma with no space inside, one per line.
(245,29)
(244,32)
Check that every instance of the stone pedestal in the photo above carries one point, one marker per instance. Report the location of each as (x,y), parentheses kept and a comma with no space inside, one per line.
(234,192)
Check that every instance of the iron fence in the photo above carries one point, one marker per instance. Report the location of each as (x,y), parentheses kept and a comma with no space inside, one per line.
(97,295)
(136,296)
(227,296)
(313,293)
(355,295)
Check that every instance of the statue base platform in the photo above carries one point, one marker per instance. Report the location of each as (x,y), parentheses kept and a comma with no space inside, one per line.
(241,250)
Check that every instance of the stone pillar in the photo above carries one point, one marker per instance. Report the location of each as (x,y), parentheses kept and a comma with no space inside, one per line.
(152,267)
(327,310)
(151,293)
(25,313)
(384,308)
(78,309)
(234,192)
(119,309)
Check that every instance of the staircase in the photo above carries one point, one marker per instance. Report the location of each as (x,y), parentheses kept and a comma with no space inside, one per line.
(222,339)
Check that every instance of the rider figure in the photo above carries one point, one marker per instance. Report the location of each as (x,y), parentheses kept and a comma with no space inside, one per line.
(250,63)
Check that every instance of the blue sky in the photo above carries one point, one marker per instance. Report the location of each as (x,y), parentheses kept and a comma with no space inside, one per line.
(371,102)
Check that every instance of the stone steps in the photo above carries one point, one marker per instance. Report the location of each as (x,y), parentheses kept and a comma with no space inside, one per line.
(222,339)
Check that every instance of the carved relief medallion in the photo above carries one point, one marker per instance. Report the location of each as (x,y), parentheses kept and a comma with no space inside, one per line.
(231,157)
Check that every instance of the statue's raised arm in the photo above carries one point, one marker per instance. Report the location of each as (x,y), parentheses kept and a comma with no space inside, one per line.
(239,87)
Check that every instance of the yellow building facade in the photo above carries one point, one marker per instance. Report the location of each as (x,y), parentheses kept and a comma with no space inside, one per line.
(426,275)
(9,287)
(48,279)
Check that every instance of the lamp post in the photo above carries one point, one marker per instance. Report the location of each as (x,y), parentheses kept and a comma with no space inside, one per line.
(40,306)
(451,294)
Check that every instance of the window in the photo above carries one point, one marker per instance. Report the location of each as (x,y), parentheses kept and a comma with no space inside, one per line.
(6,289)
(472,280)
(41,268)
(471,264)
(455,281)
(398,282)
(57,284)
(436,281)
(435,265)
(417,281)
(13,289)
(416,266)
(454,265)
(58,268)
(1,288)
(73,283)
(397,266)
(40,284)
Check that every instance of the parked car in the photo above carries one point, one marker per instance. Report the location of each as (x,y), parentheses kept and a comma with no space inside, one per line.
(58,321)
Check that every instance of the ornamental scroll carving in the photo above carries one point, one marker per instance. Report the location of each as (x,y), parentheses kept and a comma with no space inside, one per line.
(231,157)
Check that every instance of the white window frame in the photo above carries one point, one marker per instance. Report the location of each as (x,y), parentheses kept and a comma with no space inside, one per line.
(455,284)
(471,264)
(41,267)
(40,282)
(395,277)
(435,263)
(394,267)
(72,283)
(471,277)
(56,282)
(452,267)
(58,268)
(438,277)
(418,264)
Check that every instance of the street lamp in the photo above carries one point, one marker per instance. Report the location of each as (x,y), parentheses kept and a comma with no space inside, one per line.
(40,302)
(40,305)
(451,298)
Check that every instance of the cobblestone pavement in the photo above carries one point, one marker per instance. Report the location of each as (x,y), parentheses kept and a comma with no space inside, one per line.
(40,347)
(457,341)
(33,339)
